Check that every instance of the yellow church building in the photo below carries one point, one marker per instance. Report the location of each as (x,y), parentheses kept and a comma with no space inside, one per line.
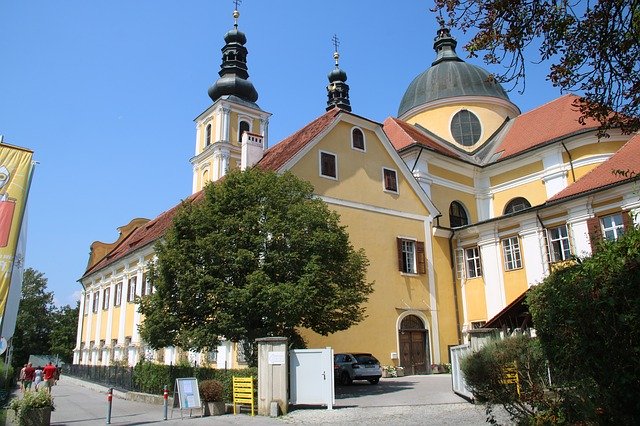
(461,203)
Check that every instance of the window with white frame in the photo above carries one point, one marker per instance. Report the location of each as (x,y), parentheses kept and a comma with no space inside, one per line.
(411,259)
(147,288)
(243,127)
(472,257)
(96,301)
(559,246)
(328,165)
(87,301)
(357,139)
(117,294)
(208,135)
(131,294)
(511,252)
(612,226)
(105,298)
(390,180)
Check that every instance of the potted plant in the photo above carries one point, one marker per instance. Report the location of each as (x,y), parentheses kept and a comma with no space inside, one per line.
(33,409)
(211,395)
(389,371)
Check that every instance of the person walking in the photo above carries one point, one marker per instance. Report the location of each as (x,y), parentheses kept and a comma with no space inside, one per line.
(29,376)
(49,375)
(21,379)
(38,377)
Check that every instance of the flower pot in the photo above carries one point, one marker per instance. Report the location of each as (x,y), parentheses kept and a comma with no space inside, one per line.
(400,371)
(217,408)
(33,417)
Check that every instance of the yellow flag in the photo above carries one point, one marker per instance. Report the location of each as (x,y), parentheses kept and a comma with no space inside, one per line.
(15,178)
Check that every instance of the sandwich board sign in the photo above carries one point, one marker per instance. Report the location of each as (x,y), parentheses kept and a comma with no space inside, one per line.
(186,395)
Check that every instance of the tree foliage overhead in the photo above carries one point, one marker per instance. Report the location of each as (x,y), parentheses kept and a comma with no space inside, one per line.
(593,47)
(586,317)
(257,256)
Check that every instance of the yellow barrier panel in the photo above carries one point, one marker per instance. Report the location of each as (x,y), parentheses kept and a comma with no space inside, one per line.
(510,377)
(243,392)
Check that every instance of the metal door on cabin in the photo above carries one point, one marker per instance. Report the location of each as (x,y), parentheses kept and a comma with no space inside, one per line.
(413,345)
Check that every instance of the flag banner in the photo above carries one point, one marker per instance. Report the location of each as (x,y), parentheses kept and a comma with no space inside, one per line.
(15,178)
(15,290)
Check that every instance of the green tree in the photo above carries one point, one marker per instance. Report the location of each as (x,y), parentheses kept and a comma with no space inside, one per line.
(257,256)
(64,331)
(586,317)
(593,48)
(33,324)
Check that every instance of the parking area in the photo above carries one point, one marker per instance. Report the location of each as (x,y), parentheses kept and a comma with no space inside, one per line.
(397,391)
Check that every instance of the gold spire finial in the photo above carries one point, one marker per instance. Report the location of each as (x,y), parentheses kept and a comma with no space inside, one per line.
(336,43)
(236,14)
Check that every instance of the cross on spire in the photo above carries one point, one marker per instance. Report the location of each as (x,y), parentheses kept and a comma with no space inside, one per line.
(236,3)
(236,14)
(336,43)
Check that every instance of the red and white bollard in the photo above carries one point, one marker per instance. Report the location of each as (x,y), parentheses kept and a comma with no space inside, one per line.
(165,395)
(109,399)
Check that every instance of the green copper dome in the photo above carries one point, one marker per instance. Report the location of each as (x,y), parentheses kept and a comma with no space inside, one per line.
(448,77)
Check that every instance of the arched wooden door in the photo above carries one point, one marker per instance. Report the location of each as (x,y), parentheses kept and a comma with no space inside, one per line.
(414,345)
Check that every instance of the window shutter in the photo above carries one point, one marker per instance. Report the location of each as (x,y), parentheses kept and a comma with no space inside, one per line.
(627,220)
(399,248)
(595,232)
(420,258)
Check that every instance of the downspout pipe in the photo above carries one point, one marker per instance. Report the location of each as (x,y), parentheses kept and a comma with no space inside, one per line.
(573,173)
(455,287)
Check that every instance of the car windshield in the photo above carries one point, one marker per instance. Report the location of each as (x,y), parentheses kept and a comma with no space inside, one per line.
(366,359)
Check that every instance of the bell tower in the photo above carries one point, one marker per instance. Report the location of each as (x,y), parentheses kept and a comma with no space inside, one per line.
(233,117)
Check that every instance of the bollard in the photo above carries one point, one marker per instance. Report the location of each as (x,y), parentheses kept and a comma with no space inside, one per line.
(109,398)
(166,400)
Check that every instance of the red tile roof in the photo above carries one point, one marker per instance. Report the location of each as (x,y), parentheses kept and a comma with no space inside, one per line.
(402,134)
(546,123)
(626,158)
(143,235)
(277,155)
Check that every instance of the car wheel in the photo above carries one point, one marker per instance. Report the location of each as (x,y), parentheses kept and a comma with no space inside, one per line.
(345,378)
(374,381)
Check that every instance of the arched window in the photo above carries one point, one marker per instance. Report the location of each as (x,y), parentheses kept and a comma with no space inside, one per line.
(357,139)
(457,215)
(208,135)
(244,127)
(205,177)
(465,128)
(516,205)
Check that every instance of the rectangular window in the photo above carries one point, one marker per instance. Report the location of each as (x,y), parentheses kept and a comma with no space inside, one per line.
(474,268)
(460,263)
(147,288)
(117,296)
(511,252)
(96,301)
(390,180)
(105,298)
(411,259)
(87,301)
(328,165)
(131,294)
(612,226)
(559,247)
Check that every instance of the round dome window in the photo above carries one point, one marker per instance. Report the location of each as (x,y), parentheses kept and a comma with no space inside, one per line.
(465,128)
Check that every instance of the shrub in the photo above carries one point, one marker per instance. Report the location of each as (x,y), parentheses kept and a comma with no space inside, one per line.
(486,372)
(211,390)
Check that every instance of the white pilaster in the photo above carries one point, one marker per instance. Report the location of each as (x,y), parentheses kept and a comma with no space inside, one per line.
(135,336)
(484,198)
(492,272)
(226,124)
(109,332)
(198,135)
(433,303)
(264,131)
(533,252)
(123,310)
(555,175)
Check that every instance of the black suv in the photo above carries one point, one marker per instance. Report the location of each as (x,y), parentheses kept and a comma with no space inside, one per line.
(348,367)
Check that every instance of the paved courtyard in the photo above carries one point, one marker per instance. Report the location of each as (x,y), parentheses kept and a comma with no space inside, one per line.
(425,400)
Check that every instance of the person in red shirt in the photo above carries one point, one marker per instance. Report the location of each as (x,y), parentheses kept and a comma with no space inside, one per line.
(49,373)
(29,376)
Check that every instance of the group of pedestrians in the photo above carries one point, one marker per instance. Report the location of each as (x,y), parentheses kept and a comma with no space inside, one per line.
(38,377)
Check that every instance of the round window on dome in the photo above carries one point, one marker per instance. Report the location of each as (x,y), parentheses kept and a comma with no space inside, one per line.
(465,128)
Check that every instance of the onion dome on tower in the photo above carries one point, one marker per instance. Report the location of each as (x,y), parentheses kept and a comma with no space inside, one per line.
(233,71)
(449,77)
(337,89)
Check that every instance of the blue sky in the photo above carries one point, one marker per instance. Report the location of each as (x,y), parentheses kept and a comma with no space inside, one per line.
(105,93)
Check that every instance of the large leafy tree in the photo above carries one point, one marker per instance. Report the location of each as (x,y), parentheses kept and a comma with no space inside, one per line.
(593,47)
(587,317)
(33,324)
(257,256)
(64,321)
